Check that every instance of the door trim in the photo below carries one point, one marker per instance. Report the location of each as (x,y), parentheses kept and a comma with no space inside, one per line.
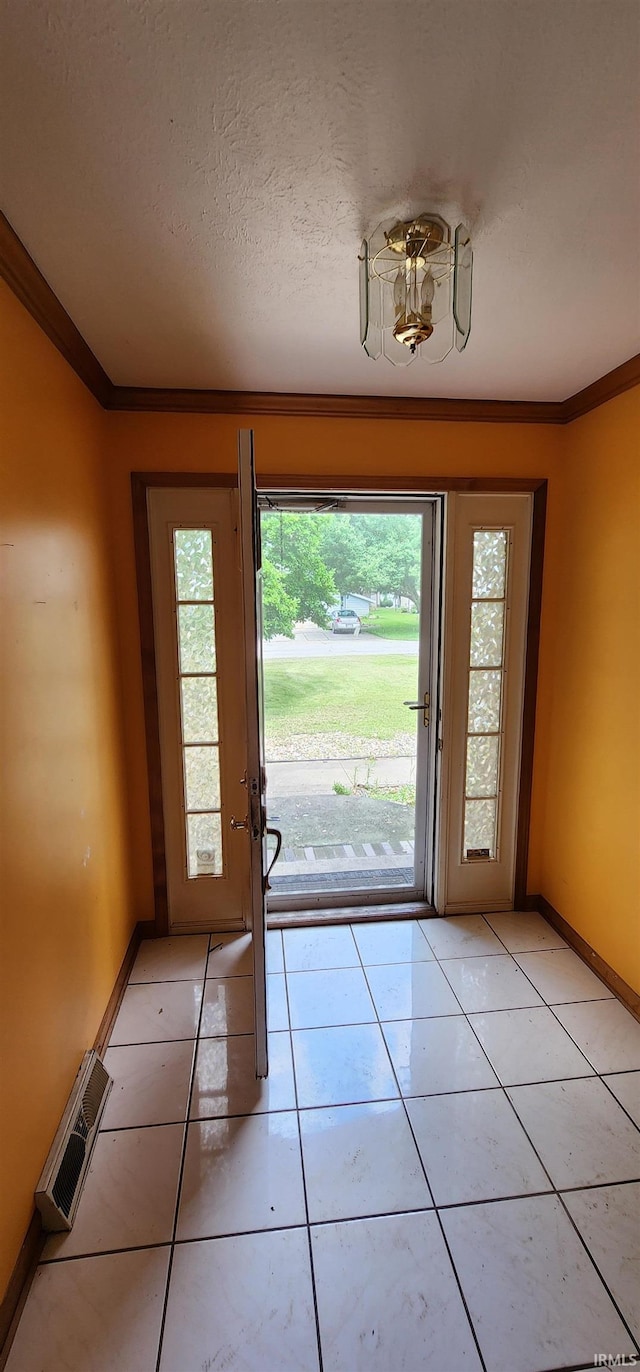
(140,481)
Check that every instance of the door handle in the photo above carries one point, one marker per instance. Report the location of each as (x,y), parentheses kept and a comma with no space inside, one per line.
(275,833)
(423,705)
(239,823)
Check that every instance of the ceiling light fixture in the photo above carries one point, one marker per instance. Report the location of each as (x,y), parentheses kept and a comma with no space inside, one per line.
(415,289)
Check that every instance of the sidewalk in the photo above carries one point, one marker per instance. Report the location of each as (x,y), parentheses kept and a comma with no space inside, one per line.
(316,777)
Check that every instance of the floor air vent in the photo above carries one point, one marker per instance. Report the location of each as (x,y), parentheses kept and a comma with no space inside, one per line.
(62,1179)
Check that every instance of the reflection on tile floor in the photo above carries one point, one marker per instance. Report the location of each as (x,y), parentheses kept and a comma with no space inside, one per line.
(441,1172)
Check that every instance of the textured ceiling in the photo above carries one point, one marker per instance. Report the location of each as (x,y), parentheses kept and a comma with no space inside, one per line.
(194,178)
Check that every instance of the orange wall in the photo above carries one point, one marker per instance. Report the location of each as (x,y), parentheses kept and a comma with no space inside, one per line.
(66,915)
(200,443)
(71,895)
(587,823)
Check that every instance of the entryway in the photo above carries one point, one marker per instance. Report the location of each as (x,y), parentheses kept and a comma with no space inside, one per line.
(468,684)
(351,611)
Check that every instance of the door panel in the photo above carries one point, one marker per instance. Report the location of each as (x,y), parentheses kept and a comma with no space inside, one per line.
(200,670)
(255,775)
(486,592)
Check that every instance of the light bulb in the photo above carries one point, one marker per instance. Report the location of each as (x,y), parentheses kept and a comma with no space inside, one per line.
(428,291)
(399,291)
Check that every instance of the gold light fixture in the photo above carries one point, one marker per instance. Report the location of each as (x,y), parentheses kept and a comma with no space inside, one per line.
(415,289)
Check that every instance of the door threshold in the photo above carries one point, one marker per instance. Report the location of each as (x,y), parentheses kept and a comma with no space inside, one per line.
(350,914)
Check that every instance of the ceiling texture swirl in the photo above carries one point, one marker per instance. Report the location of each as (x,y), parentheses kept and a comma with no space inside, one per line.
(194,178)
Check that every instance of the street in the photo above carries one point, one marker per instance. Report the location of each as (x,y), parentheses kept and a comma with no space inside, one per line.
(309,641)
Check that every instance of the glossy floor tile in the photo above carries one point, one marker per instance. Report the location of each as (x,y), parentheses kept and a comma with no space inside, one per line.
(434,1055)
(388,1300)
(275,954)
(608,1219)
(228,1007)
(474,1148)
(560,976)
(243,1303)
(171,959)
(607,1034)
(361,1160)
(241,1174)
(277,1004)
(156,1012)
(626,1089)
(342,1066)
(489,983)
(424,1082)
(528,1045)
(411,990)
(225,1082)
(150,1084)
(313,949)
(524,933)
(129,1196)
(534,1297)
(230,955)
(583,1136)
(392,941)
(93,1315)
(338,996)
(461,936)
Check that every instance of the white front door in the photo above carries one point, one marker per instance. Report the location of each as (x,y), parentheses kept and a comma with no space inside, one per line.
(255,773)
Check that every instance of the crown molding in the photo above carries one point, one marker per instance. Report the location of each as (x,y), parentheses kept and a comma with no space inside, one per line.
(334,406)
(622,378)
(20,272)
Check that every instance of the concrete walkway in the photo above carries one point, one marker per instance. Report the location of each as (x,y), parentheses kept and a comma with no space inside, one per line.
(316,778)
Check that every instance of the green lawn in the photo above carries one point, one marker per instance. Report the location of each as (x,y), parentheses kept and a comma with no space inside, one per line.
(361,696)
(391,624)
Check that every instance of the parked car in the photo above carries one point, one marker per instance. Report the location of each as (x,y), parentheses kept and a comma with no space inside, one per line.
(345,622)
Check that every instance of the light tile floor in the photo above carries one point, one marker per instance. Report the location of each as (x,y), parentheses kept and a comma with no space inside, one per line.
(442,1171)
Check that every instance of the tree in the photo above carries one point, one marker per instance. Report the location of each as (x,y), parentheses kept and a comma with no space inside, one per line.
(395,553)
(345,551)
(291,545)
(279,610)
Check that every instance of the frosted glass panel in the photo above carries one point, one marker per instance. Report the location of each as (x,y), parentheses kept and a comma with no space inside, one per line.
(199,709)
(489,563)
(202,778)
(194,564)
(484,702)
(204,846)
(482,766)
(197,638)
(480,825)
(487,622)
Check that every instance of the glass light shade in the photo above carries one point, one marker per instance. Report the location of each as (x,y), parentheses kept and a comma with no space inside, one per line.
(415,289)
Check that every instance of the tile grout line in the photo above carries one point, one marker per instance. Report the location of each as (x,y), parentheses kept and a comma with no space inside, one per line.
(555,1191)
(182,1163)
(304,1178)
(424,1171)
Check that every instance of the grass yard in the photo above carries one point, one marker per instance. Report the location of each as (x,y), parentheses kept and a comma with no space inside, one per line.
(391,624)
(361,696)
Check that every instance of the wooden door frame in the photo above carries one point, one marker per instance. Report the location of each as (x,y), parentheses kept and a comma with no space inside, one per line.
(358,485)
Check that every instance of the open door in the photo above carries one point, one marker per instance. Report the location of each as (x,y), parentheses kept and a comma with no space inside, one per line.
(255,778)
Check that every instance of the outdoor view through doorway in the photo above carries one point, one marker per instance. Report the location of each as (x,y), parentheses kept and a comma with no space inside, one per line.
(347,660)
